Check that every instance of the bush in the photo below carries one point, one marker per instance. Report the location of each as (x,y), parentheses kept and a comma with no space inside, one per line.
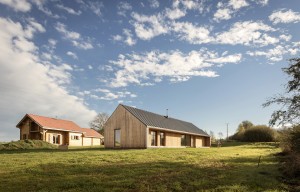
(27,144)
(290,139)
(259,133)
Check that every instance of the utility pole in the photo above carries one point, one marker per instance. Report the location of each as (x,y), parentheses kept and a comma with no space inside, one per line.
(227,131)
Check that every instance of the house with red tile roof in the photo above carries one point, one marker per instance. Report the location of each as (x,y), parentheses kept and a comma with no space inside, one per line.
(57,131)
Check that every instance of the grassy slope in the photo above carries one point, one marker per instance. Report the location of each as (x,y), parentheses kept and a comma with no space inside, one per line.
(26,144)
(216,169)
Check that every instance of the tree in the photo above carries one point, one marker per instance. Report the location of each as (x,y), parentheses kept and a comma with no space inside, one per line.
(259,133)
(98,122)
(244,125)
(290,102)
(220,135)
(212,136)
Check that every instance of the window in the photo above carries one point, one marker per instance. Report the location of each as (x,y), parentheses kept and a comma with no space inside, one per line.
(185,140)
(162,139)
(153,138)
(56,139)
(74,137)
(117,138)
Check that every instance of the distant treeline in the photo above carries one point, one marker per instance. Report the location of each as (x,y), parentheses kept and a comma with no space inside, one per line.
(249,132)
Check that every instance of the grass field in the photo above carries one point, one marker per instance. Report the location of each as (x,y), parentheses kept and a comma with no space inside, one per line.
(232,168)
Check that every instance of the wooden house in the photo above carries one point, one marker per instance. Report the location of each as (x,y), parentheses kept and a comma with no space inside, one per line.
(57,131)
(129,127)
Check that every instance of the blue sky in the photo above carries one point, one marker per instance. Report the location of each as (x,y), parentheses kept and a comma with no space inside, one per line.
(208,62)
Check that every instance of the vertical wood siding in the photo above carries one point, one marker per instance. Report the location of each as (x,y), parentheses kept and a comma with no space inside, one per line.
(132,130)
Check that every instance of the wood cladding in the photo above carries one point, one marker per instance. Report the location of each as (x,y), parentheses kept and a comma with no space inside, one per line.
(133,132)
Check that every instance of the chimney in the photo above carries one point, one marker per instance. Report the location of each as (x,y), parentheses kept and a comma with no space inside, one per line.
(166,113)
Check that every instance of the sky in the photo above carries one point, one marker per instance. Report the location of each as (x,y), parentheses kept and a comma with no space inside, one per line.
(207,62)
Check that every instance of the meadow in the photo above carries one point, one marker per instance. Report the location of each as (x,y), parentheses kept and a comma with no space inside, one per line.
(228,168)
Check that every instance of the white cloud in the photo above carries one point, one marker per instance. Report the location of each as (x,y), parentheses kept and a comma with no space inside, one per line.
(176,66)
(117,38)
(106,94)
(52,42)
(67,34)
(278,52)
(90,67)
(222,14)
(74,37)
(96,7)
(69,10)
(30,85)
(154,3)
(17,5)
(147,27)
(247,33)
(123,8)
(83,45)
(192,34)
(262,2)
(128,37)
(237,4)
(284,16)
(174,13)
(73,55)
(226,10)
(41,6)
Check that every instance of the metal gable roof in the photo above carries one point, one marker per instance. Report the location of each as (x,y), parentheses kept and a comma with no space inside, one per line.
(154,120)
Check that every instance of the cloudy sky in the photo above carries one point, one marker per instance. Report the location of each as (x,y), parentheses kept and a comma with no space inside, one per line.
(208,62)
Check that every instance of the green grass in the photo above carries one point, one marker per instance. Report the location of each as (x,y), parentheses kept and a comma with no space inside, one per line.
(231,168)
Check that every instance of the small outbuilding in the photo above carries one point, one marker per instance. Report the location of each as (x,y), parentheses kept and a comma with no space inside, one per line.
(57,131)
(129,127)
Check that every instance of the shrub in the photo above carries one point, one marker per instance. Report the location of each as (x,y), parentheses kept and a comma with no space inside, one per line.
(26,144)
(259,133)
(290,139)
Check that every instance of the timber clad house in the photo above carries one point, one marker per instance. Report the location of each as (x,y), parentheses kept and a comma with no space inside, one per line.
(130,127)
(57,131)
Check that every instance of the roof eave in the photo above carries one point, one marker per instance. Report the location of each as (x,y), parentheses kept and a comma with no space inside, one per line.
(175,131)
(50,128)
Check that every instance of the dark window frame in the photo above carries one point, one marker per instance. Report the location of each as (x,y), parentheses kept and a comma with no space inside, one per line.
(184,140)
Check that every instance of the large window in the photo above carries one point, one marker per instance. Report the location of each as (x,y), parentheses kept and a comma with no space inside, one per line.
(117,138)
(185,140)
(162,139)
(153,138)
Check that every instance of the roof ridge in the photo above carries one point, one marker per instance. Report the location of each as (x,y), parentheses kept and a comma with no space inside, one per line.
(51,117)
(156,114)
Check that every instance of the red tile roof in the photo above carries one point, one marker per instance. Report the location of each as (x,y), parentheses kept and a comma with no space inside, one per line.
(48,122)
(61,124)
(91,133)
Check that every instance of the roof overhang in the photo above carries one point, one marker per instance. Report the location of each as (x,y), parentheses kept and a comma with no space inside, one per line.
(25,116)
(56,129)
(175,131)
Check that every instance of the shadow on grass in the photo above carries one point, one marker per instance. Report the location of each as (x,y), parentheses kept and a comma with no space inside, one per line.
(155,176)
(51,150)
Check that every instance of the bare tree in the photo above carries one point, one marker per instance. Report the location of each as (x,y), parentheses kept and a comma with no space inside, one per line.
(220,135)
(212,136)
(98,122)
